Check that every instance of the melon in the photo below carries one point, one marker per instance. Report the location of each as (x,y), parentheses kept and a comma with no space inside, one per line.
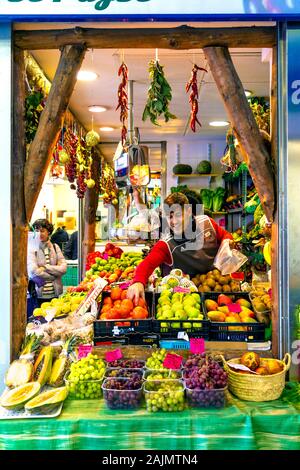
(47,401)
(19,372)
(16,398)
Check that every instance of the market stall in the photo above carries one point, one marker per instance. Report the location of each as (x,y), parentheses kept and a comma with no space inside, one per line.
(193,389)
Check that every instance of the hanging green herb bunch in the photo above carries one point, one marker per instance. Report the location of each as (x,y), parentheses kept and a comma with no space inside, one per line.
(159,95)
(261,110)
(34,105)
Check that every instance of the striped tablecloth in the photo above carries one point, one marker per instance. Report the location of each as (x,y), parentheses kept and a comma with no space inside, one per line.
(89,425)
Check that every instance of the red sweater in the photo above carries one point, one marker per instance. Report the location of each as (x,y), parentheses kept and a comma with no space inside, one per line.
(160,254)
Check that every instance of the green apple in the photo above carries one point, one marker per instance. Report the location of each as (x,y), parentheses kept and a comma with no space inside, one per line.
(176,306)
(181,315)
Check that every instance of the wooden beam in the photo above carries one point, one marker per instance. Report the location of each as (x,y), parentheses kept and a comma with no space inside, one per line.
(40,152)
(183,37)
(90,208)
(18,213)
(244,124)
(275,228)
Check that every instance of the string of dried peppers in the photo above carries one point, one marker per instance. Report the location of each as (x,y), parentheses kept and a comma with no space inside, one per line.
(192,86)
(123,100)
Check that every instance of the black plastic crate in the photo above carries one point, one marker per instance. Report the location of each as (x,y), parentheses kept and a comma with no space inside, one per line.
(144,339)
(171,328)
(123,327)
(222,331)
(109,340)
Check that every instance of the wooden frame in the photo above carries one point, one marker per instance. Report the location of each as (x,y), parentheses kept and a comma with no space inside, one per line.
(214,41)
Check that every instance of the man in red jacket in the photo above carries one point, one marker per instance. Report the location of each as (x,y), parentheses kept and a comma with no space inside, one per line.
(191,244)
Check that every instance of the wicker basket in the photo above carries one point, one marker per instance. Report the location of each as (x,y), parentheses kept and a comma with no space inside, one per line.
(253,387)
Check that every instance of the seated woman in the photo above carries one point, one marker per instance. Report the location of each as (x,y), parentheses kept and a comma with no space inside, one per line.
(47,265)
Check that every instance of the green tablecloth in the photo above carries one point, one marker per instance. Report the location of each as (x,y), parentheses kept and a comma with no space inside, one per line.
(89,425)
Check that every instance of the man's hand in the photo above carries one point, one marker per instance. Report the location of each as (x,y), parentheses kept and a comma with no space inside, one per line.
(135,292)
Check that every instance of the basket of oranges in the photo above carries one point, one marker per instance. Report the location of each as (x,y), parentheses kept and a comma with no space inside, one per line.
(253,378)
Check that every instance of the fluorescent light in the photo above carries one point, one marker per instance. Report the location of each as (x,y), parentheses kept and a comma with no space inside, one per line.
(86,75)
(97,109)
(219,123)
(248,93)
(106,129)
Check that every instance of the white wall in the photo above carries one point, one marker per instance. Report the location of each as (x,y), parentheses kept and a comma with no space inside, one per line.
(56,197)
(5,198)
(192,152)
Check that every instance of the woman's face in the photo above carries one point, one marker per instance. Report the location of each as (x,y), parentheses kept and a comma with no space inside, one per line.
(44,234)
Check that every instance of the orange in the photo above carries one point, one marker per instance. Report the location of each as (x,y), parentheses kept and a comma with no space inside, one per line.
(116,293)
(139,313)
(124,294)
(107,301)
(142,303)
(105,308)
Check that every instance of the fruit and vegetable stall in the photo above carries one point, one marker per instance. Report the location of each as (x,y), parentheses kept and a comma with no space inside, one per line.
(97,371)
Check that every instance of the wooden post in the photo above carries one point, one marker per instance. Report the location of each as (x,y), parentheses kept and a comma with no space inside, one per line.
(244,124)
(90,208)
(274,238)
(182,37)
(40,152)
(18,214)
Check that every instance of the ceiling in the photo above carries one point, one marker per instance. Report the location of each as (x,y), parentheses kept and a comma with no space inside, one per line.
(252,66)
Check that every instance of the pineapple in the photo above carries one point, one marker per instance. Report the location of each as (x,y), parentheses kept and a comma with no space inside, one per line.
(61,364)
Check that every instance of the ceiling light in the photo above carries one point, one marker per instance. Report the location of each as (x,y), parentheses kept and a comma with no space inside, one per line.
(106,129)
(86,75)
(97,109)
(219,123)
(248,93)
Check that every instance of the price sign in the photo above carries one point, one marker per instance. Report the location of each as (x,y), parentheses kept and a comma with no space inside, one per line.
(197,345)
(172,361)
(84,350)
(111,356)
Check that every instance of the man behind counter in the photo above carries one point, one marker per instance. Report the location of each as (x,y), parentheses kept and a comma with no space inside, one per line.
(191,244)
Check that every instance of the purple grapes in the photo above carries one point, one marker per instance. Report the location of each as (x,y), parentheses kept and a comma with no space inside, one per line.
(122,393)
(118,372)
(127,364)
(205,381)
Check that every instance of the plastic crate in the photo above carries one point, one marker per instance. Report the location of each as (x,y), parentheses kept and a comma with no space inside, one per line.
(171,328)
(71,276)
(174,344)
(123,327)
(222,331)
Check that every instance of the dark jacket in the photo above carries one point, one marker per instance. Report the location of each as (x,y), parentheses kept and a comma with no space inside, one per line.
(59,237)
(71,248)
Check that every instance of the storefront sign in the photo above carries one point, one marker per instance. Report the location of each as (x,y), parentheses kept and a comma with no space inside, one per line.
(149,8)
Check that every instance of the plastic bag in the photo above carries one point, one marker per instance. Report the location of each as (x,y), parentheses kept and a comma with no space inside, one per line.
(228,260)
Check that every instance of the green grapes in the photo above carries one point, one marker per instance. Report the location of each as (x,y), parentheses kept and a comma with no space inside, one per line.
(85,378)
(167,395)
(155,361)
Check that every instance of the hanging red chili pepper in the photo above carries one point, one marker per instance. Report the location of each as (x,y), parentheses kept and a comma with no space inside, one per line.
(192,86)
(123,100)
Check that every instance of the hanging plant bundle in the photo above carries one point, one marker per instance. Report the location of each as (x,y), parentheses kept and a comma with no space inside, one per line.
(123,100)
(34,105)
(83,167)
(70,144)
(108,186)
(159,95)
(192,86)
